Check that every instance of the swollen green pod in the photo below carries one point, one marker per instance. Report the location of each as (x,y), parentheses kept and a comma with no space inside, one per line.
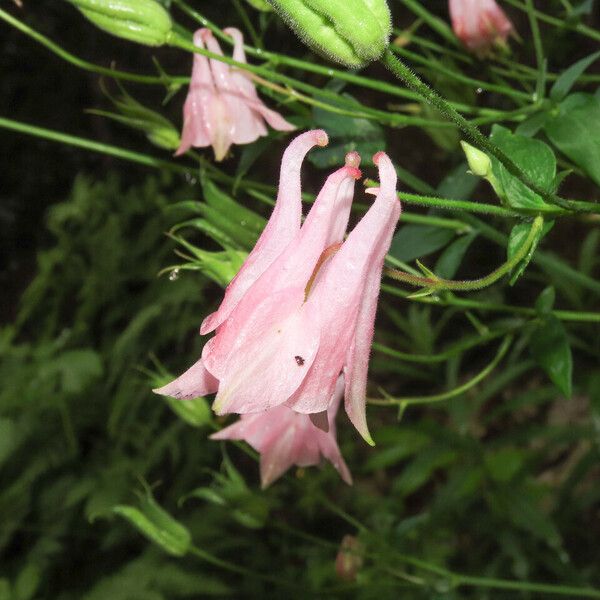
(351,32)
(142,21)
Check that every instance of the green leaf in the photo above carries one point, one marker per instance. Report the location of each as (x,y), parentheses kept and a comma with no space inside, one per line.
(415,241)
(27,583)
(157,525)
(550,348)
(504,464)
(575,131)
(517,237)
(404,444)
(545,301)
(562,86)
(451,258)
(346,134)
(535,159)
(195,411)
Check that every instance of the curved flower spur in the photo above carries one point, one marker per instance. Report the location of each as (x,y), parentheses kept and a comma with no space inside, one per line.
(302,309)
(222,106)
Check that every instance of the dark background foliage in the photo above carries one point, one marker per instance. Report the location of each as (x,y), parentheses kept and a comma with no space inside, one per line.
(499,482)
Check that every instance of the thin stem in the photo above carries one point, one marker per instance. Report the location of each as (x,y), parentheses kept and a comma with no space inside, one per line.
(439,26)
(83,64)
(453,350)
(450,300)
(540,89)
(452,74)
(275,59)
(400,70)
(435,283)
(561,23)
(419,400)
(182,43)
(228,566)
(71,140)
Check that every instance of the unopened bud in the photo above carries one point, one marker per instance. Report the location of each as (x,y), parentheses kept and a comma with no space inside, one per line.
(479,162)
(350,32)
(481,165)
(349,559)
(142,21)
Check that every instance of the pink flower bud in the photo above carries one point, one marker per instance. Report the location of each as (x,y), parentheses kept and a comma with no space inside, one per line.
(479,24)
(349,559)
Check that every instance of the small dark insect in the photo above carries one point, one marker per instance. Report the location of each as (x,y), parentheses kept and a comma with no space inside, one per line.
(299,360)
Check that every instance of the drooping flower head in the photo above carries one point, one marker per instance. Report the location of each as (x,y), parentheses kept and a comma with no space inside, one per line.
(285,438)
(302,309)
(479,24)
(222,106)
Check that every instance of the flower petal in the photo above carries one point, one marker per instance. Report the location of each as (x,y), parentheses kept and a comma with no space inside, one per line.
(195,382)
(281,228)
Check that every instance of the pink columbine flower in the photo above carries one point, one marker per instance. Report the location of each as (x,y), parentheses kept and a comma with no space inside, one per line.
(479,24)
(285,438)
(302,309)
(222,106)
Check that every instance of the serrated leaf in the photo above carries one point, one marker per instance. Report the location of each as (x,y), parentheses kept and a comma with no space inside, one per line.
(551,349)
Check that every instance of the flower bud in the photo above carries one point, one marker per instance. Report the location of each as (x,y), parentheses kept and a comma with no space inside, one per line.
(481,166)
(350,32)
(142,21)
(349,559)
(479,162)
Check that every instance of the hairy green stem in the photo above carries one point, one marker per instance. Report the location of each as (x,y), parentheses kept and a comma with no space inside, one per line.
(435,284)
(404,73)
(403,403)
(450,300)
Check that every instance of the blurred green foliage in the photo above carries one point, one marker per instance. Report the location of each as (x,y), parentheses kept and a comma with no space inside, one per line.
(484,477)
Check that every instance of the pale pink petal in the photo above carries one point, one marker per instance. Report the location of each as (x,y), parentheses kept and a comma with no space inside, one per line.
(283,225)
(290,271)
(201,90)
(272,117)
(479,24)
(245,87)
(276,458)
(336,301)
(285,438)
(266,371)
(357,359)
(195,382)
(220,125)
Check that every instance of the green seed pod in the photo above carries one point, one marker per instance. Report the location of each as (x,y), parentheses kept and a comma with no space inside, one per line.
(351,32)
(142,21)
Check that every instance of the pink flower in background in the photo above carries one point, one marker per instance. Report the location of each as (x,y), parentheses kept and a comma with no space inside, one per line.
(222,106)
(479,24)
(285,438)
(302,309)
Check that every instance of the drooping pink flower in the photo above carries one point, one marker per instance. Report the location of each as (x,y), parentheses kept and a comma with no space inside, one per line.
(285,438)
(222,106)
(302,309)
(479,24)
